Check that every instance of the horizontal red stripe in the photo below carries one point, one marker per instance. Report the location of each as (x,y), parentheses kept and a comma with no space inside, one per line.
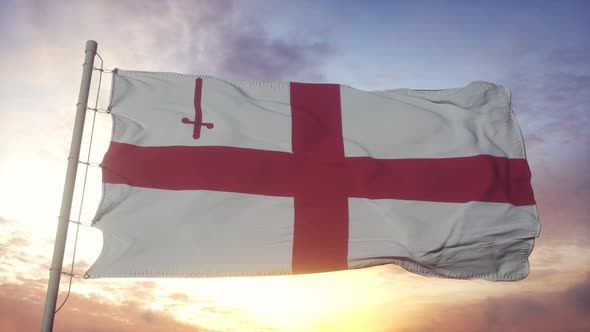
(481,178)
(478,178)
(200,168)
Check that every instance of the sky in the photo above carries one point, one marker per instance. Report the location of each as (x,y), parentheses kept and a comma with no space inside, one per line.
(538,49)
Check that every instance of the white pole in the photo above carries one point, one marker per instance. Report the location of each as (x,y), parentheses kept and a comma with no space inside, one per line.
(68,193)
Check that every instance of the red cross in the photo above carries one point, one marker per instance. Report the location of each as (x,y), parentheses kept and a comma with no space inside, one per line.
(318,176)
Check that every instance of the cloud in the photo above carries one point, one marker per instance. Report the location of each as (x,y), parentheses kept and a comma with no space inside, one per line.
(550,95)
(579,297)
(21,307)
(220,38)
(14,250)
(550,311)
(251,57)
(562,188)
(181,297)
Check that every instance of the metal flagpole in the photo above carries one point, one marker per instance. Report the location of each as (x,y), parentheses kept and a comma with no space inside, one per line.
(68,193)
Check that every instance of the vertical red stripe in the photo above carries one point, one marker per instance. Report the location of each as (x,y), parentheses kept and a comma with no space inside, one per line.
(320,240)
(316,121)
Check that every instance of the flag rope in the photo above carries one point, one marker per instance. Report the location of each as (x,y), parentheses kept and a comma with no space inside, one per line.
(100,110)
(102,70)
(80,223)
(88,164)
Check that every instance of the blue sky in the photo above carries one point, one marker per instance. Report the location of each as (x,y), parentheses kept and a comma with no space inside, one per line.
(539,49)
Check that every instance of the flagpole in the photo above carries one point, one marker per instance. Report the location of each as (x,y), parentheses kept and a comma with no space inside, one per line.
(68,193)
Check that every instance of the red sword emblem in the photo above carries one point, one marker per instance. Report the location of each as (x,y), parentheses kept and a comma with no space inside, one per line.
(198,122)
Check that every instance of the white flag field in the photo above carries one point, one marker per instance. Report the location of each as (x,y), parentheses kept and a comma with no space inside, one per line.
(207,177)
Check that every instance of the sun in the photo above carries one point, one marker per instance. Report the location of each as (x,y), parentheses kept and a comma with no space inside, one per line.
(337,301)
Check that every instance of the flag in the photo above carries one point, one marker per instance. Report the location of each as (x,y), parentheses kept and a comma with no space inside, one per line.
(208,177)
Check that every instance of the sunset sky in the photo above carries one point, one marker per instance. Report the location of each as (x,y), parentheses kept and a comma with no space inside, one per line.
(539,49)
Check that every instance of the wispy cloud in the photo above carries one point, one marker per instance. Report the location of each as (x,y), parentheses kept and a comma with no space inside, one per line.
(222,38)
(551,96)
